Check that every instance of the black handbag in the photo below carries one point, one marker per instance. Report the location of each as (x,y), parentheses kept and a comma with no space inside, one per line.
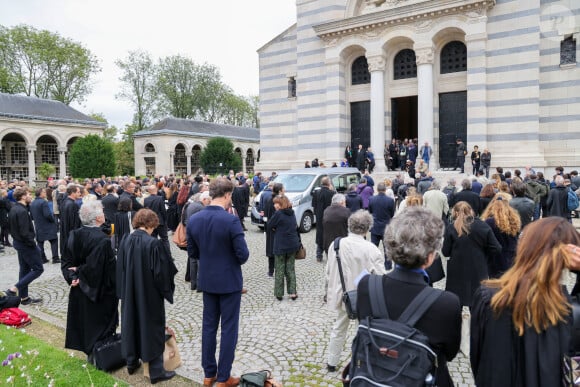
(107,354)
(348,298)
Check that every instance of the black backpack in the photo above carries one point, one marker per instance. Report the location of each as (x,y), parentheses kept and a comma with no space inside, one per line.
(389,352)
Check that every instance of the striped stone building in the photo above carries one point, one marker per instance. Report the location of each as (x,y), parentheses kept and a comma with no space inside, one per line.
(501,74)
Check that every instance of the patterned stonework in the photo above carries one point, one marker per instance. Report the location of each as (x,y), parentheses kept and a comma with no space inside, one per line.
(376,63)
(424,55)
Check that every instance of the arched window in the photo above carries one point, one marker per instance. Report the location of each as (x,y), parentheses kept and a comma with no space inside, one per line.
(179,160)
(453,57)
(250,161)
(149,148)
(195,155)
(405,65)
(360,71)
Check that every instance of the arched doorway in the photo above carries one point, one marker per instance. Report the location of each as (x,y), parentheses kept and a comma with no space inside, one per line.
(47,153)
(69,145)
(180,160)
(14,157)
(149,159)
(250,161)
(195,159)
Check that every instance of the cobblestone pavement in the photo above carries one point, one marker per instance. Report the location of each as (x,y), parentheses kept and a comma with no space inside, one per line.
(288,337)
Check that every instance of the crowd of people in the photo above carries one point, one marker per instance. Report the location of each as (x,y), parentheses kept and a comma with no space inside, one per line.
(505,239)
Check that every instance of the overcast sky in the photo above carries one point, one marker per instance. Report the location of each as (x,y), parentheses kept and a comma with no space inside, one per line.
(225,33)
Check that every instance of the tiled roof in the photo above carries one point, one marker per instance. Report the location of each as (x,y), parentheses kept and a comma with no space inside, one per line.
(32,108)
(200,128)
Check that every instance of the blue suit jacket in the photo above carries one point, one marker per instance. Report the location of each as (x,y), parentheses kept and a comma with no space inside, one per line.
(383,209)
(216,238)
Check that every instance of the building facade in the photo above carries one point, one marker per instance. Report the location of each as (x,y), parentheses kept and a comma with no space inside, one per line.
(174,145)
(500,74)
(34,131)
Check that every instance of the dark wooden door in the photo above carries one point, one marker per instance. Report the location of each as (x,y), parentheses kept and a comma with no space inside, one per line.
(360,124)
(452,125)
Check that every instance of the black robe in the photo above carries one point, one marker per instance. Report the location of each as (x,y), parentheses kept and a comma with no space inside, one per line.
(69,220)
(499,357)
(122,226)
(92,305)
(145,277)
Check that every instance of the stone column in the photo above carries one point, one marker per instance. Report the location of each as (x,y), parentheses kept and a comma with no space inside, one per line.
(244,162)
(31,165)
(171,164)
(377,70)
(62,161)
(425,100)
(188,158)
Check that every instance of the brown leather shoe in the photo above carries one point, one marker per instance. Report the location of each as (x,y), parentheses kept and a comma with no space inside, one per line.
(208,382)
(231,382)
(244,290)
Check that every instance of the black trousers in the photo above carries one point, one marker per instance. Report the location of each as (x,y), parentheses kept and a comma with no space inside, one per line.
(53,248)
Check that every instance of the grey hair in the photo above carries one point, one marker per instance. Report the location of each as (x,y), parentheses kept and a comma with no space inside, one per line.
(89,212)
(559,180)
(381,187)
(412,235)
(338,198)
(360,222)
(196,197)
(435,185)
(466,184)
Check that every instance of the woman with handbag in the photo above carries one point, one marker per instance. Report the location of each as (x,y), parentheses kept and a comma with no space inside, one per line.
(520,325)
(286,243)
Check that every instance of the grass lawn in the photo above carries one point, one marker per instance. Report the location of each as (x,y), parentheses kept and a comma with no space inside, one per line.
(35,363)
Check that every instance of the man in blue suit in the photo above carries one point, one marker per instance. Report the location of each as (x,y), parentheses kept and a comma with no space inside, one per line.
(217,239)
(382,208)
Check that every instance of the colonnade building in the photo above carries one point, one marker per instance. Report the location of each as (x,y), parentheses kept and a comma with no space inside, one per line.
(34,131)
(500,74)
(174,145)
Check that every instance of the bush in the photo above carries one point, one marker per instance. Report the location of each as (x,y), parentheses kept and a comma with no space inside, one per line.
(219,157)
(91,156)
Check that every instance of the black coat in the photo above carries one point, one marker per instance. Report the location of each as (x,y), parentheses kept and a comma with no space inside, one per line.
(267,205)
(173,215)
(69,220)
(500,263)
(353,201)
(285,232)
(44,222)
(241,200)
(20,225)
(441,323)
(136,205)
(382,208)
(92,305)
(4,208)
(557,202)
(499,357)
(467,196)
(157,204)
(145,278)
(110,204)
(335,224)
(123,225)
(468,258)
(321,199)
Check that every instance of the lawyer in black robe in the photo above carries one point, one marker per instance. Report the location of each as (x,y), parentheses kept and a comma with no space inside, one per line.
(145,278)
(69,217)
(89,267)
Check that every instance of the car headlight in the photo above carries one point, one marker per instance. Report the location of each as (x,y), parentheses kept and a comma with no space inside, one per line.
(296,201)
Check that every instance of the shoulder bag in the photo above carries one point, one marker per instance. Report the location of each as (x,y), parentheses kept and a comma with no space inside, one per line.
(349,298)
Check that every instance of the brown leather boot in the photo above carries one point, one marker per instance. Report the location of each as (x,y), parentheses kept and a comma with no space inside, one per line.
(208,382)
(231,382)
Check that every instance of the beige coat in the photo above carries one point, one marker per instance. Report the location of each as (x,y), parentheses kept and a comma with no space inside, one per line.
(436,201)
(356,255)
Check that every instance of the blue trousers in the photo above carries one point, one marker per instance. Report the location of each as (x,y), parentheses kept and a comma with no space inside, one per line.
(227,308)
(30,264)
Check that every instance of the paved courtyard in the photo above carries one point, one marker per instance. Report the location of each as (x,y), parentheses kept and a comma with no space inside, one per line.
(288,337)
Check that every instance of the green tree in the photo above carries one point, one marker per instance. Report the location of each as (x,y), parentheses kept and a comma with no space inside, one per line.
(138,86)
(219,156)
(45,170)
(44,64)
(176,87)
(91,156)
(110,132)
(125,151)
